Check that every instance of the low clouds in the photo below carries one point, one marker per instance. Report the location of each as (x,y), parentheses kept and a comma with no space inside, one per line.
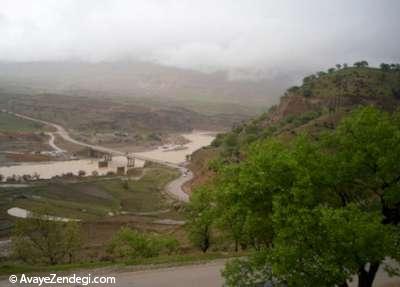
(205,35)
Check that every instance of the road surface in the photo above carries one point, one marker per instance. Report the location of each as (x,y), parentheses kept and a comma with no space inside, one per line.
(52,143)
(199,275)
(194,276)
(175,187)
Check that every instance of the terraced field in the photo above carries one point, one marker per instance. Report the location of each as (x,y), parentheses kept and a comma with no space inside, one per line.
(95,198)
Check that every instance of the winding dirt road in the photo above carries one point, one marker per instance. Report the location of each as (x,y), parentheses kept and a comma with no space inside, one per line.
(52,143)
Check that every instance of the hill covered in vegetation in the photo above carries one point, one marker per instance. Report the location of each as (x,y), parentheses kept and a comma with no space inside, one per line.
(318,104)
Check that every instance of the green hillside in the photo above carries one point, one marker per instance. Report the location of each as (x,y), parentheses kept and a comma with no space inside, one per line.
(354,82)
(318,104)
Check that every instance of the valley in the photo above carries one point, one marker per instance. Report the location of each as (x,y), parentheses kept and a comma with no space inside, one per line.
(200,143)
(175,187)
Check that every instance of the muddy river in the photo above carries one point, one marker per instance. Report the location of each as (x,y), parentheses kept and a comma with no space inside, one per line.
(177,154)
(171,154)
(48,170)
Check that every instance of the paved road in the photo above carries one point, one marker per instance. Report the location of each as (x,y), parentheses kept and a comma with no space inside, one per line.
(174,188)
(194,276)
(201,275)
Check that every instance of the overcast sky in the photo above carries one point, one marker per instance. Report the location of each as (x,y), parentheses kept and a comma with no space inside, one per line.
(202,34)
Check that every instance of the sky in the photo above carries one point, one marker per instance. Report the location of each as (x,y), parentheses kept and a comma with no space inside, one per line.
(244,35)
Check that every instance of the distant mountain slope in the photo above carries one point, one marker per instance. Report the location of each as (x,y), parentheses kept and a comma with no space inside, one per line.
(88,114)
(141,80)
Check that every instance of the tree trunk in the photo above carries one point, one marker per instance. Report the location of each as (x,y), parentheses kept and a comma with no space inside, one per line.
(206,245)
(366,278)
(243,246)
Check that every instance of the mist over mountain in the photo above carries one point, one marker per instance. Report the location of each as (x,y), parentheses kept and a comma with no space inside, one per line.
(258,36)
(140,80)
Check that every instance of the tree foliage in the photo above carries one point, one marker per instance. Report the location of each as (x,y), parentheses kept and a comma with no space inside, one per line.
(200,218)
(361,64)
(324,209)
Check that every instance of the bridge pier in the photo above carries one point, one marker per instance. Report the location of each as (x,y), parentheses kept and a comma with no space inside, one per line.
(106,159)
(131,161)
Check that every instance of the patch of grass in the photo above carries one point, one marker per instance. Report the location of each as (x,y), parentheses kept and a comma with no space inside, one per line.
(142,195)
(10,123)
(182,259)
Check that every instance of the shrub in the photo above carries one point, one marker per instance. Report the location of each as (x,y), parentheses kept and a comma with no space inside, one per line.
(130,244)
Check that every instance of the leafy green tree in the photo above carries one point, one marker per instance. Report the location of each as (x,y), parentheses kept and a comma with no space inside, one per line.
(231,145)
(233,220)
(331,70)
(332,206)
(246,190)
(385,67)
(361,64)
(39,240)
(200,218)
(326,246)
(293,89)
(231,217)
(364,160)
(72,240)
(309,79)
